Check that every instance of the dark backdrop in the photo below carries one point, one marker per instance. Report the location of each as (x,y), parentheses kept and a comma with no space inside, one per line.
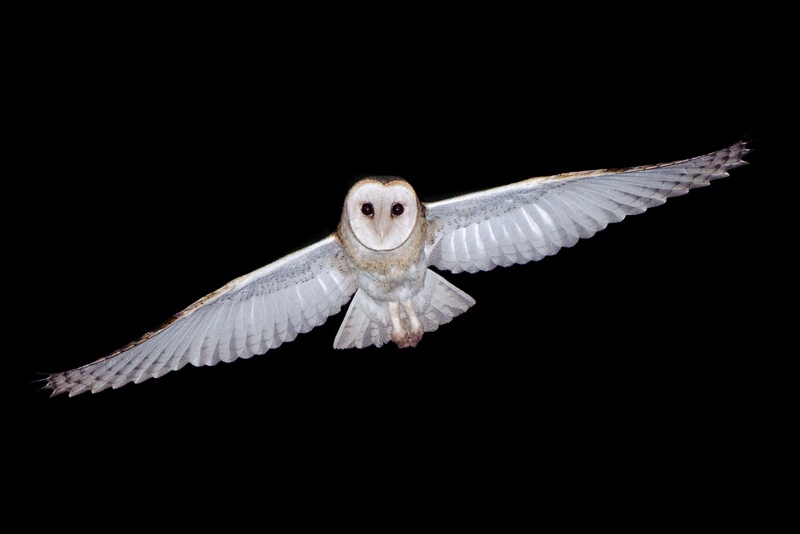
(160,179)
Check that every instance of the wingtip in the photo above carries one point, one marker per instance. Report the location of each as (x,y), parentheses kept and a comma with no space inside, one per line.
(745,145)
(737,152)
(48,384)
(51,384)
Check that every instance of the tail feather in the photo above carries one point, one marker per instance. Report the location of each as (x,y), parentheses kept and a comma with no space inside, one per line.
(367,321)
(439,302)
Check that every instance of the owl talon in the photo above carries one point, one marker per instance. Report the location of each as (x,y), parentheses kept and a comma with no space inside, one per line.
(407,339)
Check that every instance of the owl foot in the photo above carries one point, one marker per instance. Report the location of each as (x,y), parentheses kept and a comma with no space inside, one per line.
(407,329)
(406,339)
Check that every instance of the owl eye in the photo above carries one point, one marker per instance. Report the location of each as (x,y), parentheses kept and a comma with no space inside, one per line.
(367,209)
(397,209)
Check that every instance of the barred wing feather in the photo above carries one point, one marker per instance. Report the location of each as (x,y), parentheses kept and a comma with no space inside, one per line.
(535,218)
(250,315)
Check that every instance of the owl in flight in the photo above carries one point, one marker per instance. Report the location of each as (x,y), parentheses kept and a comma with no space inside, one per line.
(381,254)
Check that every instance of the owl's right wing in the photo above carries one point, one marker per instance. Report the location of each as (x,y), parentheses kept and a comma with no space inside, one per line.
(529,220)
(249,315)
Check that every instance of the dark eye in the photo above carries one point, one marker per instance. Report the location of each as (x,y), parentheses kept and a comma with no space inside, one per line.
(397,209)
(368,210)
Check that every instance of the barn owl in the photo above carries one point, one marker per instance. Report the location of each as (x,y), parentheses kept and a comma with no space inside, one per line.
(381,255)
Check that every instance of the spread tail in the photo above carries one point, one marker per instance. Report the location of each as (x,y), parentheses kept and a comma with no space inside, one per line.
(368,321)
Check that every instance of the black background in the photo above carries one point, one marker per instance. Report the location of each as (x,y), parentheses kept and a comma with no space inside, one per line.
(161,172)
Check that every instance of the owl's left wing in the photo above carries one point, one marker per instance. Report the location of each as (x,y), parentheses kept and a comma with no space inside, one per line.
(249,315)
(529,220)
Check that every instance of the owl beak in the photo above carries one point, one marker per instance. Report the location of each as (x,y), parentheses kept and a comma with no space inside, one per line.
(383,227)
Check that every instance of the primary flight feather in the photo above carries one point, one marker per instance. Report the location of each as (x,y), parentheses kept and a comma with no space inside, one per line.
(380,256)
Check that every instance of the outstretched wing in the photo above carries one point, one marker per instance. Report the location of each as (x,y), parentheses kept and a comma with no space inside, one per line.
(529,220)
(249,315)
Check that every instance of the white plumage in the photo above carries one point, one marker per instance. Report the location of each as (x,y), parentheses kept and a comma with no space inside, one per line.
(535,218)
(381,252)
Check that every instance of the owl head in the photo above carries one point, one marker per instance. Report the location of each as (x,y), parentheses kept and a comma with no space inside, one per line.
(382,212)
